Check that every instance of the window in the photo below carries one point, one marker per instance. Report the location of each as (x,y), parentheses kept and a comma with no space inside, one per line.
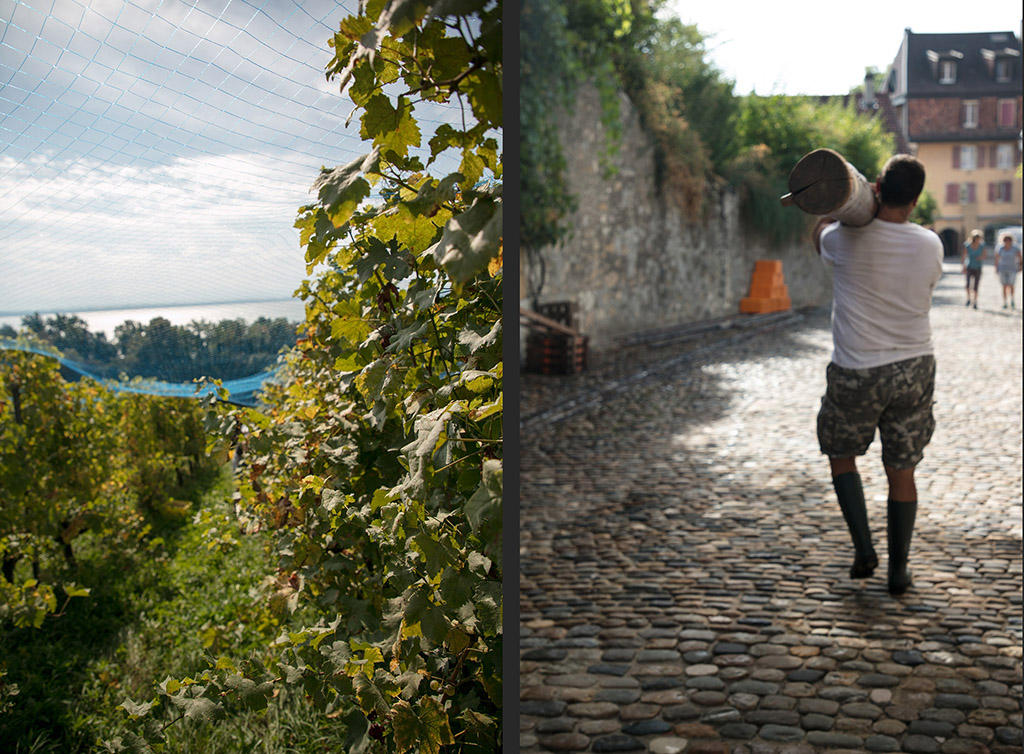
(1007,113)
(1004,157)
(1002,69)
(947,72)
(968,157)
(970,113)
(961,193)
(1000,191)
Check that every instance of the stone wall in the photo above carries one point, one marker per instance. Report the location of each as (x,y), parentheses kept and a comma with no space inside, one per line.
(634,262)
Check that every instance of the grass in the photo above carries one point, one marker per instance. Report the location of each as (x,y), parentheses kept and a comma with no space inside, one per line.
(188,594)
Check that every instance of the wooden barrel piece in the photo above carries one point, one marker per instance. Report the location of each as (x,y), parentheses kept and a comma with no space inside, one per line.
(823,183)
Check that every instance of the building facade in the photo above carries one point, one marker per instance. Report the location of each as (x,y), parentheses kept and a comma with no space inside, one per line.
(955,103)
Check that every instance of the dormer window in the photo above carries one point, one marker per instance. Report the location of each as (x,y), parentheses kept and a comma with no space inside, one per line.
(1000,63)
(944,65)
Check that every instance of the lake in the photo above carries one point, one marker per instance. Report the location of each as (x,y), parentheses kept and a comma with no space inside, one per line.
(105,320)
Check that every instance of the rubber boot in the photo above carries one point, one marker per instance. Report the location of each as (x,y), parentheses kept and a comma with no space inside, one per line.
(850,493)
(901,517)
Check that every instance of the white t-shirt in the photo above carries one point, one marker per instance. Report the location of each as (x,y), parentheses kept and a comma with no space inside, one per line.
(883,275)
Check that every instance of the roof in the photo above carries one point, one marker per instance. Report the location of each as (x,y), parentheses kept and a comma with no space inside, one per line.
(892,122)
(973,76)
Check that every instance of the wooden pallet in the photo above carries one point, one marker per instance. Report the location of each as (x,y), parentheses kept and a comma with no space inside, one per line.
(552,347)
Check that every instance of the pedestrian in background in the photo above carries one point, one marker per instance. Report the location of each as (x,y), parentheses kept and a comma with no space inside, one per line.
(882,373)
(1008,264)
(973,255)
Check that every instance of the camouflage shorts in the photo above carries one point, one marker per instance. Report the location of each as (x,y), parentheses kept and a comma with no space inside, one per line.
(896,398)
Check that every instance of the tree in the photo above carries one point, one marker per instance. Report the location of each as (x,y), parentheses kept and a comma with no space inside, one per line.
(774,132)
(924,212)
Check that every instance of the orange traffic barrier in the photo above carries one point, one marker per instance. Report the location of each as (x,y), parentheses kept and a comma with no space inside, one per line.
(768,291)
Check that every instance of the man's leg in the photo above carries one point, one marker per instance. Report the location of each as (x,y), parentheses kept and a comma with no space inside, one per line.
(850,493)
(901,483)
(846,427)
(902,510)
(906,428)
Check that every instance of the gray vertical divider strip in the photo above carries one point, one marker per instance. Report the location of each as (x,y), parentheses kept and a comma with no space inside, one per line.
(510,385)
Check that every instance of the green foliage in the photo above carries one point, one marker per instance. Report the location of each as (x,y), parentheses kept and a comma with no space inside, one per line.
(562,45)
(376,462)
(166,442)
(676,57)
(56,447)
(685,105)
(75,458)
(683,101)
(701,130)
(926,209)
(774,132)
(546,87)
(227,350)
(159,605)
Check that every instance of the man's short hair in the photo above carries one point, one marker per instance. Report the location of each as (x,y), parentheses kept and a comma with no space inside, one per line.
(901,181)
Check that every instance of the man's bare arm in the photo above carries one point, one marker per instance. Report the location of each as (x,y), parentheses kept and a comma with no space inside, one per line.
(816,234)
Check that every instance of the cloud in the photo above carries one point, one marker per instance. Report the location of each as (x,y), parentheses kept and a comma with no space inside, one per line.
(201,228)
(157,151)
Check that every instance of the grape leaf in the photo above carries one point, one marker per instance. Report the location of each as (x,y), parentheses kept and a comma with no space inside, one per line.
(470,240)
(424,727)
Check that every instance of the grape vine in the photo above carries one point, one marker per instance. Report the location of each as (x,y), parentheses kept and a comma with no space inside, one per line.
(376,459)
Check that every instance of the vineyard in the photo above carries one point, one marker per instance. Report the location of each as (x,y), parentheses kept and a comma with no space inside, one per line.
(322,572)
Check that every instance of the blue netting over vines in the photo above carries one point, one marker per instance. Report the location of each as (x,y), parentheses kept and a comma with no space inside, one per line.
(153,155)
(242,391)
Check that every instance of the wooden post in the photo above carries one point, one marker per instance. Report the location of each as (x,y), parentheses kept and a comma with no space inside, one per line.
(823,183)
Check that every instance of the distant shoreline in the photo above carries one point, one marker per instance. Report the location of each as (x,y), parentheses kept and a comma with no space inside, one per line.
(107,320)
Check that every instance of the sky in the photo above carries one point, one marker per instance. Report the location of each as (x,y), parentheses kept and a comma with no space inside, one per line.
(156,152)
(810,47)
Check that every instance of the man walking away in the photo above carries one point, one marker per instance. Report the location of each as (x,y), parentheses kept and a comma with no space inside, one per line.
(883,365)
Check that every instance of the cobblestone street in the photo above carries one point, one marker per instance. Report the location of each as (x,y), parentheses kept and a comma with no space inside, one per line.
(684,582)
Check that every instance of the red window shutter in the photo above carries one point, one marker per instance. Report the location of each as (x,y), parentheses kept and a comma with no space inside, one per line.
(972,193)
(1006,190)
(1006,113)
(993,158)
(981,155)
(952,193)
(956,157)
(992,192)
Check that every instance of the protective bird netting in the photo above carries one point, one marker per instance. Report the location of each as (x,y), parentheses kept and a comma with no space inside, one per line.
(154,154)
